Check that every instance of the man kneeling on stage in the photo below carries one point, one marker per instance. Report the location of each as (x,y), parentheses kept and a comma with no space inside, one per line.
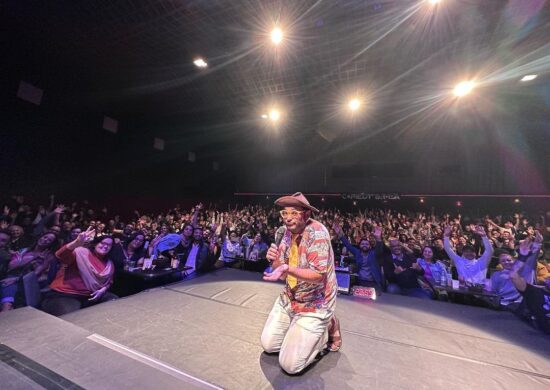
(302,323)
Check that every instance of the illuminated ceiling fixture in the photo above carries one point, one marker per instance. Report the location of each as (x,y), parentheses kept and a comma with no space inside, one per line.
(464,88)
(276,35)
(274,115)
(529,77)
(264,116)
(200,63)
(354,104)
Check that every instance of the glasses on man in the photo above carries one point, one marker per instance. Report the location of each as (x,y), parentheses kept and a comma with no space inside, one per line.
(293,213)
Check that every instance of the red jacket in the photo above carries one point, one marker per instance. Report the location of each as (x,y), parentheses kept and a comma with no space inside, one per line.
(68,279)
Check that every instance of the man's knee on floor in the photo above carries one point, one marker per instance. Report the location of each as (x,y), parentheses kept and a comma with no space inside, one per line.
(268,343)
(290,364)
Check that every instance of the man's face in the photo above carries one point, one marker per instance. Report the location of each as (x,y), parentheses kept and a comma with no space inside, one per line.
(4,240)
(16,231)
(439,244)
(55,229)
(395,248)
(469,254)
(295,219)
(364,245)
(197,234)
(506,235)
(506,261)
(75,232)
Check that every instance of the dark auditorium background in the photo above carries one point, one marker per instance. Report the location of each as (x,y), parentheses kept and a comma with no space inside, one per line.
(133,61)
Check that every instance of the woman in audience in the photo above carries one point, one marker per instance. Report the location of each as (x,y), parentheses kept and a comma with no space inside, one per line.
(37,259)
(86,274)
(130,251)
(434,270)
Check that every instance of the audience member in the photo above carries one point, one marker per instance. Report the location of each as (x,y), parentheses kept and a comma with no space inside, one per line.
(85,277)
(470,269)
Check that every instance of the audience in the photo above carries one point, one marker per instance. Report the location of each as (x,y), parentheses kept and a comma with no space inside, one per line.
(38,259)
(396,252)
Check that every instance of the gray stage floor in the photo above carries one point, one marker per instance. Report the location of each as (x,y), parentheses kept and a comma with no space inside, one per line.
(209,328)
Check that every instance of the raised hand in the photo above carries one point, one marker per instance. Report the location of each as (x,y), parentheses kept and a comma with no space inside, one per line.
(86,236)
(337,228)
(447,231)
(59,209)
(377,233)
(480,231)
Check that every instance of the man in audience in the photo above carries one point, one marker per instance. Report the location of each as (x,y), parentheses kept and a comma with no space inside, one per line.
(536,299)
(510,297)
(5,255)
(365,258)
(469,268)
(197,255)
(19,240)
(400,269)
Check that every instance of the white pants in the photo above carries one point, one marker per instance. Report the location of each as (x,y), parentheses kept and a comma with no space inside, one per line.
(298,337)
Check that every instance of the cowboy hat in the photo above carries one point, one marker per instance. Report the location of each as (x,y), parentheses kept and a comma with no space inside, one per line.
(295,200)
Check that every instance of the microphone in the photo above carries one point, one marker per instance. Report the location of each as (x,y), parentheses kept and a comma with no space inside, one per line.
(279,234)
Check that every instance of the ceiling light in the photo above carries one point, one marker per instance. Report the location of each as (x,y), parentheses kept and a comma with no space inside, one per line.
(529,77)
(354,104)
(463,88)
(274,115)
(199,62)
(276,35)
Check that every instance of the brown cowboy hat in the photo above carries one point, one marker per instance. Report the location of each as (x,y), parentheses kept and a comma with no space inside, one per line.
(295,200)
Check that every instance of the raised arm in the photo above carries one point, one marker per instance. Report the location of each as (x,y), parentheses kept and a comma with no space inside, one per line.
(338,230)
(447,245)
(488,247)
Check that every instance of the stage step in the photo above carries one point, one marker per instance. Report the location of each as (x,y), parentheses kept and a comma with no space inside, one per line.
(38,350)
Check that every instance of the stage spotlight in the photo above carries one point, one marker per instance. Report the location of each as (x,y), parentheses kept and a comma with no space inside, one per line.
(516,200)
(274,115)
(200,63)
(464,88)
(529,77)
(276,35)
(355,203)
(458,203)
(434,2)
(421,200)
(354,104)
(264,116)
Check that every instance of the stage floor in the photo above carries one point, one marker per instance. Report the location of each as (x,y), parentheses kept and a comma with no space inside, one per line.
(204,333)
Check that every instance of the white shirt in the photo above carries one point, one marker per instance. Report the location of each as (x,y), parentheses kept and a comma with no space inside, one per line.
(192,258)
(473,271)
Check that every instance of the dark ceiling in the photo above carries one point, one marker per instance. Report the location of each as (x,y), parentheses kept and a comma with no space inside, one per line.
(132,60)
